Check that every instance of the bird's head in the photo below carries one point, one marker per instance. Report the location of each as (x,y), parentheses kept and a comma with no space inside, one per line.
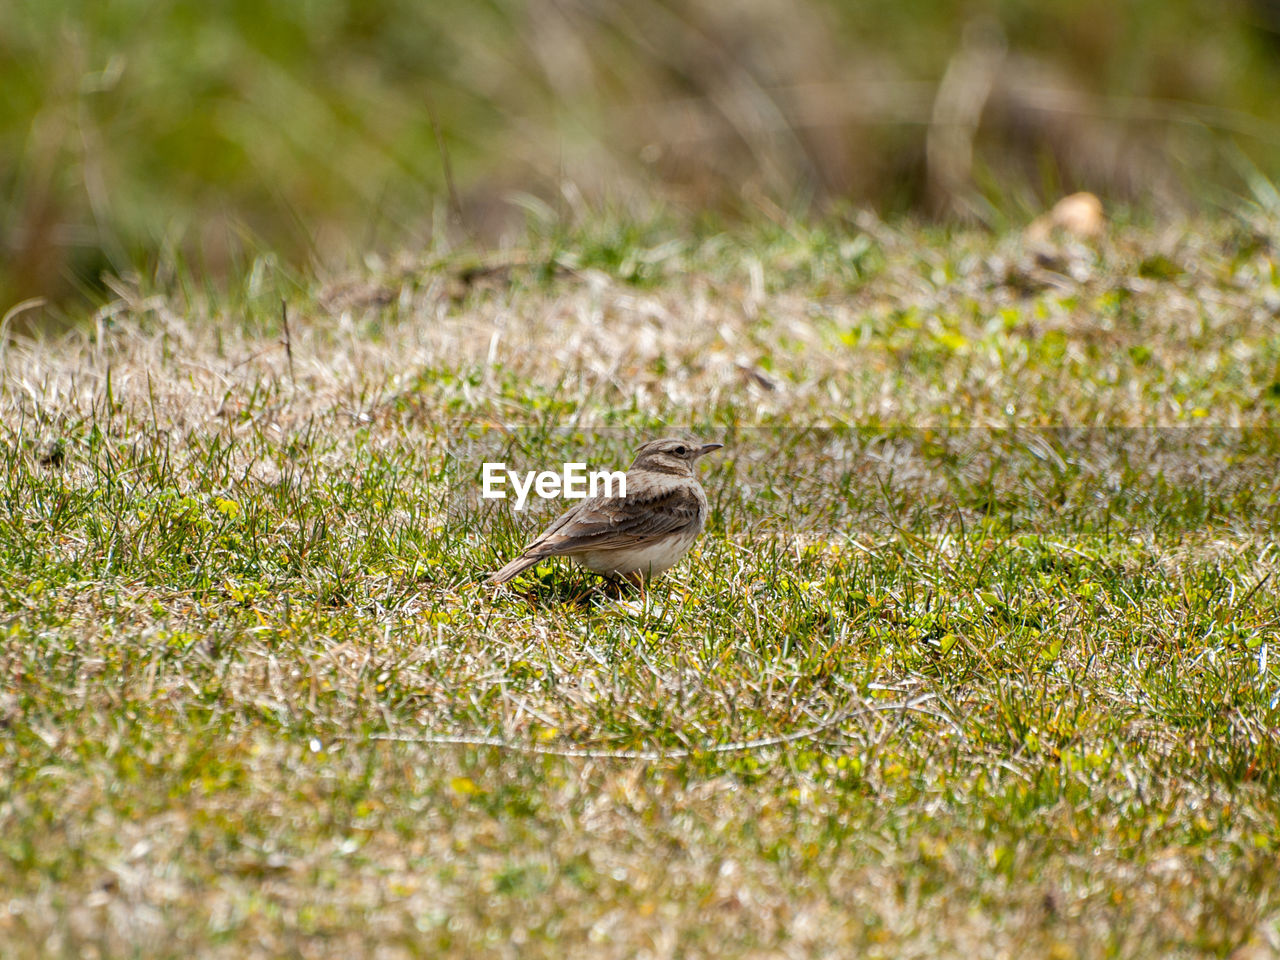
(672,455)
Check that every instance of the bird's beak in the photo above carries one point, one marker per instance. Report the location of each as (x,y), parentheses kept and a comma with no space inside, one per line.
(707,448)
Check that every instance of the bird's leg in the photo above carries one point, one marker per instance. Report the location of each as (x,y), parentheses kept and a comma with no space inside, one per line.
(620,581)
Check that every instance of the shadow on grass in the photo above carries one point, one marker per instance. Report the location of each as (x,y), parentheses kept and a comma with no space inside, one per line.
(554,589)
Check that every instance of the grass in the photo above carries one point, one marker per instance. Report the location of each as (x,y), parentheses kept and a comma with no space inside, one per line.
(142,131)
(977,655)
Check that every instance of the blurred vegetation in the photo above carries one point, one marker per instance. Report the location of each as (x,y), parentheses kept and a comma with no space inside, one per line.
(140,132)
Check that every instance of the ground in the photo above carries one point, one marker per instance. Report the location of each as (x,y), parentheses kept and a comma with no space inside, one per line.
(976,657)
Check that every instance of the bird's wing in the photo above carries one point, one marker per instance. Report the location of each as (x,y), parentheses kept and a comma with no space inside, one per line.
(610,522)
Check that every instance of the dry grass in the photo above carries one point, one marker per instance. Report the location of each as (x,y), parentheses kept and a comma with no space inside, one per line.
(938,681)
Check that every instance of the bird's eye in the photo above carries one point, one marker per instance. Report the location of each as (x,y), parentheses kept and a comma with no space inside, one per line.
(681,451)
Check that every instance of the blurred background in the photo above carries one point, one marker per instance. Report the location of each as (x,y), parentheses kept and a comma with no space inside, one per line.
(139,132)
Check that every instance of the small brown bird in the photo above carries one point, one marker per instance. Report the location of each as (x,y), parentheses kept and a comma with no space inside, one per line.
(636,537)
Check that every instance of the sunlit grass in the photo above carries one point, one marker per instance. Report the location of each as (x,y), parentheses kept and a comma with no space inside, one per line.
(976,654)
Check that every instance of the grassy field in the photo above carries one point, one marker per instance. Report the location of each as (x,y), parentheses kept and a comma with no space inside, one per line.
(976,657)
(142,131)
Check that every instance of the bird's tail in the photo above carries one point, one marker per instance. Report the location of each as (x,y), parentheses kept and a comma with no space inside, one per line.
(513,569)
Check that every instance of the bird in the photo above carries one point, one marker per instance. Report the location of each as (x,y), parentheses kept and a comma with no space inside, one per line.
(635,537)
